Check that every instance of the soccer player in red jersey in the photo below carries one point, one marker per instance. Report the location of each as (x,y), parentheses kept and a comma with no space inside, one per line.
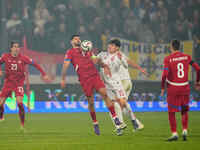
(175,74)
(89,79)
(15,64)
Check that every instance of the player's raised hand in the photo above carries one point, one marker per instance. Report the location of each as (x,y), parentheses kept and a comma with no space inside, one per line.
(62,83)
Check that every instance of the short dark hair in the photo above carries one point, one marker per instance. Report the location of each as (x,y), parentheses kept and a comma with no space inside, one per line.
(175,44)
(14,42)
(75,35)
(116,42)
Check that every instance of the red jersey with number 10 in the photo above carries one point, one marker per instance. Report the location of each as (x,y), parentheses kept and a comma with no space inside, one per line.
(176,68)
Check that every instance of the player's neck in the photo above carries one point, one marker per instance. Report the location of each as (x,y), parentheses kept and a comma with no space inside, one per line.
(76,46)
(14,54)
(175,51)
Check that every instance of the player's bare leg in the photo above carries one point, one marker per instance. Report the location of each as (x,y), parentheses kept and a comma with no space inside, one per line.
(2,102)
(184,119)
(110,106)
(93,114)
(172,123)
(21,110)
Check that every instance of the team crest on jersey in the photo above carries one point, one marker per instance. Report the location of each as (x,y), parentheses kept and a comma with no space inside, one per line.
(19,61)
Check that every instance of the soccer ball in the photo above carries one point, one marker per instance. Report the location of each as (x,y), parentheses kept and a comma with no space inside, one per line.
(86,45)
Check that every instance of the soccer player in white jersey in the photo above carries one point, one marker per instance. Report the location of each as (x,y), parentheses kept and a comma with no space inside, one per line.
(126,79)
(115,89)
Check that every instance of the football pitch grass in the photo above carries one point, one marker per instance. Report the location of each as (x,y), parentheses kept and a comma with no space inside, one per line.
(74,131)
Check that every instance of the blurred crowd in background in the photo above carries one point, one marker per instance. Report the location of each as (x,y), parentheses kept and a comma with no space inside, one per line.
(49,24)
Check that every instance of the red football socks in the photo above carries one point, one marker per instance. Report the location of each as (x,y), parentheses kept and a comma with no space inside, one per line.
(93,116)
(112,111)
(184,117)
(21,113)
(172,121)
(1,111)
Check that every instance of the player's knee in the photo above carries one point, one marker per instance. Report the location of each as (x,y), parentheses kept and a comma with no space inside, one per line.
(104,95)
(91,105)
(184,108)
(123,103)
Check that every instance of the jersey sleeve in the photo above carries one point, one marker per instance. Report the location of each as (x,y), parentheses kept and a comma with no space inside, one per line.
(28,60)
(124,60)
(196,67)
(100,55)
(165,72)
(68,56)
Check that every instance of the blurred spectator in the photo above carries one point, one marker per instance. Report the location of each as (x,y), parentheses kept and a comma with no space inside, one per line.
(88,11)
(138,9)
(40,41)
(60,41)
(15,28)
(179,32)
(145,21)
(196,25)
(41,16)
(84,34)
(13,21)
(163,33)
(150,11)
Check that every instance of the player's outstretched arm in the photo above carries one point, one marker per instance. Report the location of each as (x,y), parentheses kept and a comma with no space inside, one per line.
(97,60)
(45,77)
(134,65)
(64,73)
(197,69)
(164,76)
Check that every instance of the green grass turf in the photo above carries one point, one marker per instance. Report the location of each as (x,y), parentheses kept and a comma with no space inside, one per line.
(74,131)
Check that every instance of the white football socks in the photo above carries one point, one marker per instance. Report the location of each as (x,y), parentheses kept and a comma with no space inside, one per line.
(130,112)
(118,111)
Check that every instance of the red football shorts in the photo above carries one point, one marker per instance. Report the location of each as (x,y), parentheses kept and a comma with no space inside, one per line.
(8,88)
(177,103)
(89,85)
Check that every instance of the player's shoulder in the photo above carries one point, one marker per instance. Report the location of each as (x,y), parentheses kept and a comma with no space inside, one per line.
(70,51)
(167,57)
(102,53)
(5,54)
(186,55)
(25,57)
